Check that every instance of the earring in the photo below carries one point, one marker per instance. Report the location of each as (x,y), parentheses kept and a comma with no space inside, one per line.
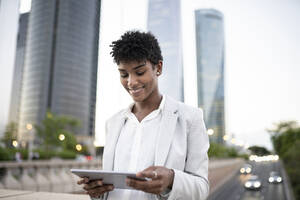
(157,73)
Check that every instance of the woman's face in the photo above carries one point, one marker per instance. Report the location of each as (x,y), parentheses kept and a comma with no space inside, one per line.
(139,79)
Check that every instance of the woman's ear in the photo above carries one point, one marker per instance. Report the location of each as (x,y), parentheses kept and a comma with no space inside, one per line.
(159,68)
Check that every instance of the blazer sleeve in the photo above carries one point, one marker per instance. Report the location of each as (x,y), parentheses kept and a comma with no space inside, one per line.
(192,183)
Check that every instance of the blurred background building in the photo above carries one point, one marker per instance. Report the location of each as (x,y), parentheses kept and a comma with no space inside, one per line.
(210,69)
(60,67)
(164,21)
(18,69)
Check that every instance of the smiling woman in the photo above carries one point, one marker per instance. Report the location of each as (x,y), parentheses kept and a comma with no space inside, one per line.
(156,137)
(140,79)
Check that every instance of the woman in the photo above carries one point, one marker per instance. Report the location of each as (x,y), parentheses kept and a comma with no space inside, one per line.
(156,136)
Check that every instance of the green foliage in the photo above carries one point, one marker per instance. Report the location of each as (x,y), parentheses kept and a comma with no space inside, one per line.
(5,154)
(67,154)
(85,150)
(9,154)
(64,154)
(50,129)
(260,151)
(45,155)
(286,142)
(10,134)
(69,142)
(244,156)
(47,135)
(291,159)
(221,151)
(24,152)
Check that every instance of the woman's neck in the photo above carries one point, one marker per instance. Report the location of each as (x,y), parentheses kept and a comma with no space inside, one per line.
(148,105)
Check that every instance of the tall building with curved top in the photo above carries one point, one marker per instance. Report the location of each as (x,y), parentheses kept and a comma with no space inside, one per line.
(61,59)
(164,21)
(210,69)
(18,69)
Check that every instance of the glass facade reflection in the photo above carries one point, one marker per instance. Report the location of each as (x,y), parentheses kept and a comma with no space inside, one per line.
(18,69)
(164,21)
(60,72)
(210,69)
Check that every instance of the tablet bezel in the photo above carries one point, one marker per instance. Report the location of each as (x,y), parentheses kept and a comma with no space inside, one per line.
(108,177)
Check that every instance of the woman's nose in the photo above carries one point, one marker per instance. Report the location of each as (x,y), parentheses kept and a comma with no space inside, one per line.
(132,81)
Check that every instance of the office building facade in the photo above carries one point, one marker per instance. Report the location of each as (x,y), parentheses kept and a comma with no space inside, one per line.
(60,69)
(164,21)
(210,69)
(14,110)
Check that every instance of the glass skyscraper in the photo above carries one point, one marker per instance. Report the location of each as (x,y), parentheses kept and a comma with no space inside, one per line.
(18,69)
(60,71)
(164,21)
(210,69)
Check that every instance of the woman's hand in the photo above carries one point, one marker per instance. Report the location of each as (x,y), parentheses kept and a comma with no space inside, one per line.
(95,188)
(161,179)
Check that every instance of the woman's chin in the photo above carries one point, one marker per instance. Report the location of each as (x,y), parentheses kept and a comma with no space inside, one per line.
(138,98)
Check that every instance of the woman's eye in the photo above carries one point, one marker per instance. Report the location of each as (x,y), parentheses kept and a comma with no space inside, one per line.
(140,73)
(123,75)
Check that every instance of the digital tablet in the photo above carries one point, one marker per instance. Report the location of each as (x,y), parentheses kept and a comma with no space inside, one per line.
(108,177)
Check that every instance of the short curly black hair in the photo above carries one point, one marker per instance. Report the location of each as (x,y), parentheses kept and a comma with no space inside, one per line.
(136,46)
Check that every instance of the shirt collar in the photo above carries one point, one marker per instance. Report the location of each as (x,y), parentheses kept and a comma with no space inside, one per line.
(128,112)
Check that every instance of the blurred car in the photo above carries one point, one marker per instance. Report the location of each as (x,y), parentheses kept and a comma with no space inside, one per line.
(253,183)
(275,177)
(246,169)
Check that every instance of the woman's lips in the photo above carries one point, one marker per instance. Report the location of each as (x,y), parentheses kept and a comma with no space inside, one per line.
(136,92)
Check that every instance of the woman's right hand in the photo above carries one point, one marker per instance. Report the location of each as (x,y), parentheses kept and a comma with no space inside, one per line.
(95,188)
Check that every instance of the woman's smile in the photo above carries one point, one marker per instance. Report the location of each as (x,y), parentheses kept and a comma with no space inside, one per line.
(136,91)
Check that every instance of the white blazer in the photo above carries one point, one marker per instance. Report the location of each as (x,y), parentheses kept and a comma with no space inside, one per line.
(182,146)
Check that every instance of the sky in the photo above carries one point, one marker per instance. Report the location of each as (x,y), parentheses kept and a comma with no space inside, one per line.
(262,52)
(8,33)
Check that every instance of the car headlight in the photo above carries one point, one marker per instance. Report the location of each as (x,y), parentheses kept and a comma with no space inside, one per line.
(279,179)
(248,184)
(242,170)
(248,170)
(257,184)
(271,179)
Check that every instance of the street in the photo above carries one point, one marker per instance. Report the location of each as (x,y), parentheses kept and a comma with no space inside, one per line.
(234,188)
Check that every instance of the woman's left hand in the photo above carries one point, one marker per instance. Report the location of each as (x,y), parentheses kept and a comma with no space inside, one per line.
(161,179)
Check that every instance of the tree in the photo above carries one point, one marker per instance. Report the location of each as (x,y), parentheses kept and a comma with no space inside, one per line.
(284,136)
(50,129)
(10,134)
(286,141)
(260,151)
(221,151)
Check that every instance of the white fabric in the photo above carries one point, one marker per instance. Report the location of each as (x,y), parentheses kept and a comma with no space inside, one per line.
(135,149)
(181,145)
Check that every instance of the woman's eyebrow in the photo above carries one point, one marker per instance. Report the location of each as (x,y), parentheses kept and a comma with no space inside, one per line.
(139,66)
(135,68)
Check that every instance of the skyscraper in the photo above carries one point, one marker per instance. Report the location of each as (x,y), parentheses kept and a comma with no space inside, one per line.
(164,21)
(210,69)
(18,70)
(61,58)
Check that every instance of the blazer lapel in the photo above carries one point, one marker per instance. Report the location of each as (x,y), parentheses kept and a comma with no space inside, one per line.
(111,141)
(166,131)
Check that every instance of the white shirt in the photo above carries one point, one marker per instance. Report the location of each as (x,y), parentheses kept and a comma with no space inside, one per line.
(135,149)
